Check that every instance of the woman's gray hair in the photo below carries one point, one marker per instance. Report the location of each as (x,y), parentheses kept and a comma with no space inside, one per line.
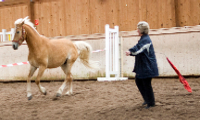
(143,27)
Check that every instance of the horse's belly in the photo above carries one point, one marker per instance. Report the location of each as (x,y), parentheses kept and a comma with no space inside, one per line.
(53,66)
(54,63)
(34,63)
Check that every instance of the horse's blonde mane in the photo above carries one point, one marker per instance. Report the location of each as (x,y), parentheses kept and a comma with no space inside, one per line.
(26,21)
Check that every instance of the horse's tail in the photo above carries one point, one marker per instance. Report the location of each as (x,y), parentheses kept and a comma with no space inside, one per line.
(84,51)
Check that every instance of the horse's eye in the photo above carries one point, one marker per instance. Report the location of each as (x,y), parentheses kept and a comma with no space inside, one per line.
(17,32)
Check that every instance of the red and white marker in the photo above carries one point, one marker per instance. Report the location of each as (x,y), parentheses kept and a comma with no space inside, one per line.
(9,65)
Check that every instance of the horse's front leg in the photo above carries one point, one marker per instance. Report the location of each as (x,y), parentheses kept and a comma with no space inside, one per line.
(31,72)
(37,81)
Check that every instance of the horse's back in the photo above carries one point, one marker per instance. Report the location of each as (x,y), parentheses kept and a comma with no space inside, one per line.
(61,44)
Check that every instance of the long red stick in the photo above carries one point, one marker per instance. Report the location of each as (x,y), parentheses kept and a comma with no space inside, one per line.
(181,78)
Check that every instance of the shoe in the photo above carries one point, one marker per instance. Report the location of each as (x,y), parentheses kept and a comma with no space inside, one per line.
(144,103)
(149,106)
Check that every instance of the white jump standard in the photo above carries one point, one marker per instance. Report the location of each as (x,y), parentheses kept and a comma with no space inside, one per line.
(113,60)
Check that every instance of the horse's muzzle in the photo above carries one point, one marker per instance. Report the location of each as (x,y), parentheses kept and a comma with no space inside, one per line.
(15,45)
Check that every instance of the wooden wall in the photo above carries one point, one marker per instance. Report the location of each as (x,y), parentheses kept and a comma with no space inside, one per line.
(73,17)
(11,11)
(187,12)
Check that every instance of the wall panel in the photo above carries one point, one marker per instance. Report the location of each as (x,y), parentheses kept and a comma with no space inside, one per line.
(183,12)
(74,17)
(128,15)
(195,12)
(8,15)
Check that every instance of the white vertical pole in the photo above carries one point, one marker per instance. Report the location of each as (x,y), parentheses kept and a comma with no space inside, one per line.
(110,50)
(12,33)
(117,51)
(4,34)
(121,57)
(113,51)
(107,51)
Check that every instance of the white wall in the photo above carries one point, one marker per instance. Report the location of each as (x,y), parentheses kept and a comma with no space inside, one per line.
(180,45)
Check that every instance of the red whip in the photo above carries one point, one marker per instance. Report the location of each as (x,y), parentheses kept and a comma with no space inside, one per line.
(181,78)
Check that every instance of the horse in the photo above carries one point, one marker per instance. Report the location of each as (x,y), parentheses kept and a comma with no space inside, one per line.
(50,53)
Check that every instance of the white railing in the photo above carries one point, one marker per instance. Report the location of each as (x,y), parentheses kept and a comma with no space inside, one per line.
(7,36)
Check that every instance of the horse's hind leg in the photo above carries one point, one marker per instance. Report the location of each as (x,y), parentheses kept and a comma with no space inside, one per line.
(69,82)
(60,90)
(31,72)
(37,81)
(68,79)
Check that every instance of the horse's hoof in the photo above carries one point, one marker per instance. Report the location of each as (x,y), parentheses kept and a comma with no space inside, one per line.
(45,93)
(30,97)
(68,93)
(55,98)
(58,95)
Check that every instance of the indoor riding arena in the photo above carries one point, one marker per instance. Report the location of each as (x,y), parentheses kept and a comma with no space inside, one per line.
(109,91)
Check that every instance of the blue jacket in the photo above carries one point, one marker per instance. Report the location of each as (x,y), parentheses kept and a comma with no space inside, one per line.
(145,59)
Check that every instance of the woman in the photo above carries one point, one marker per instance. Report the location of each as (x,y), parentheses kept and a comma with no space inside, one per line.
(145,64)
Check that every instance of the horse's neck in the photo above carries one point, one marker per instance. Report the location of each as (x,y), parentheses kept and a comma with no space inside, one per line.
(33,39)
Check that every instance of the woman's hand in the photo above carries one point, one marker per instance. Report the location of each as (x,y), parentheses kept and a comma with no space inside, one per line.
(128,53)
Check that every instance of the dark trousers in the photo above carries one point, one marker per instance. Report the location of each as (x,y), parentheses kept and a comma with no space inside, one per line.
(146,90)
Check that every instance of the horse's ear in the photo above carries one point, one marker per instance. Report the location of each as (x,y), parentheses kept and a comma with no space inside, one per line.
(22,23)
(24,20)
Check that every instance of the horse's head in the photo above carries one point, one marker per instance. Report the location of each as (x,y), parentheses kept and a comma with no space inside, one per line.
(20,35)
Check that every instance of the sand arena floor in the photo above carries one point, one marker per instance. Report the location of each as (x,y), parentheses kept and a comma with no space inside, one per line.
(94,100)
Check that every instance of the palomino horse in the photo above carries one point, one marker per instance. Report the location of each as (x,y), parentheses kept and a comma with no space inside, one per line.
(45,53)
